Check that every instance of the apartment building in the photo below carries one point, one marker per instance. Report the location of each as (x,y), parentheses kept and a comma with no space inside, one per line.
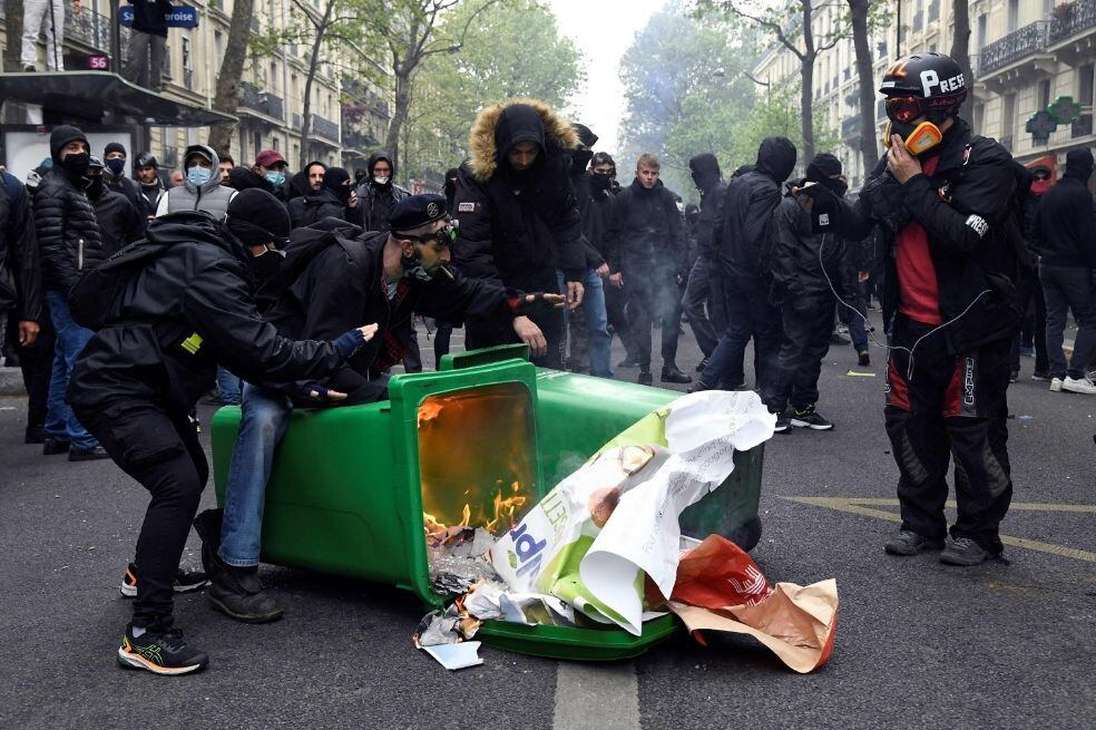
(1025,54)
(348,117)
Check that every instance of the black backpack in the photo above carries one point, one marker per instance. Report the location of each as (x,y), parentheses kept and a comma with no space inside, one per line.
(94,296)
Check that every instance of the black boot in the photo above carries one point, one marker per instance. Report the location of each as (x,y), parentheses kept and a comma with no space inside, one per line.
(238,593)
(671,374)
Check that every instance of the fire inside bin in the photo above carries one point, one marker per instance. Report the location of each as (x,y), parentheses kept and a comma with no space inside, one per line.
(477,461)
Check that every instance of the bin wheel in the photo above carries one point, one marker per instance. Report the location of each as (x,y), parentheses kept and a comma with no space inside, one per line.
(747,536)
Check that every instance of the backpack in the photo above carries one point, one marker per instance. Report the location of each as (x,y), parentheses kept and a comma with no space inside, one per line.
(92,299)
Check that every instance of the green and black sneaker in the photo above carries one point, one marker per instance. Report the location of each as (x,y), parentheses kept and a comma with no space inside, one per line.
(160,652)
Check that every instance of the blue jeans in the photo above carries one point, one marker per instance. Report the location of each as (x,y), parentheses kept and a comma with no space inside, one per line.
(228,387)
(71,339)
(597,323)
(262,427)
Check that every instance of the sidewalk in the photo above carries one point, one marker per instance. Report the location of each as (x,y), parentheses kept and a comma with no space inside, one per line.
(11,382)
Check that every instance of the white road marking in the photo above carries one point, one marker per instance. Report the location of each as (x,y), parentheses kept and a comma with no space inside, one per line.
(596,696)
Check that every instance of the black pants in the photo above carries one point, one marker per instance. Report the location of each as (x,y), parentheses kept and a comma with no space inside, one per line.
(488,333)
(649,300)
(36,364)
(1066,289)
(616,301)
(949,406)
(442,336)
(807,324)
(160,449)
(412,358)
(1030,293)
(698,293)
(750,315)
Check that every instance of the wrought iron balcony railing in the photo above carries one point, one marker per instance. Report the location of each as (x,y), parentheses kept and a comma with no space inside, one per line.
(325,128)
(1015,46)
(1070,19)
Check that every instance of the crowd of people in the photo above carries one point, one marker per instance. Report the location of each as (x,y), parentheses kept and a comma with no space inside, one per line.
(128,298)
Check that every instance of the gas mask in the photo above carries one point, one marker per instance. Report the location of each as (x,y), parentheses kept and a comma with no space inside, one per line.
(918,137)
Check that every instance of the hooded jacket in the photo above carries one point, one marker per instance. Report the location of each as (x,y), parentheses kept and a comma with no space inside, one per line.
(706,173)
(748,205)
(124,186)
(64,220)
(1065,221)
(211,197)
(376,202)
(119,222)
(518,227)
(20,272)
(191,309)
(804,263)
(309,209)
(646,235)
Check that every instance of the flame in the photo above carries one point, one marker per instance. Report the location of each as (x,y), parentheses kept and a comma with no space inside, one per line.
(507,508)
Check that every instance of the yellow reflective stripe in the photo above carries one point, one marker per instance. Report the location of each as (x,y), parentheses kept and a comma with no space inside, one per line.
(192,344)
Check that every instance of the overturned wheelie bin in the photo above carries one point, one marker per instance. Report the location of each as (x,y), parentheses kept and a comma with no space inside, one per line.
(354,489)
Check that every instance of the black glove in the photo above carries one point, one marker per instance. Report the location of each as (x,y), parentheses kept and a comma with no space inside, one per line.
(348,343)
(312,391)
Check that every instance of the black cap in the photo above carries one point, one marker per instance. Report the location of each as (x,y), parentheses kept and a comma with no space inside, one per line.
(257,217)
(418,210)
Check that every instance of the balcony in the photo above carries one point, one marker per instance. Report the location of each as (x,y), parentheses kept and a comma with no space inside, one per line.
(358,141)
(1072,34)
(1081,127)
(267,104)
(1018,59)
(850,128)
(90,32)
(326,129)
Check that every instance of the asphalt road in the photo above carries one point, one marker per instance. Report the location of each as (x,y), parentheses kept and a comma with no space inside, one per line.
(919,644)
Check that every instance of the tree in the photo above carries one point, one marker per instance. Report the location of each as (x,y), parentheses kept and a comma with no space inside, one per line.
(412,31)
(232,68)
(13,34)
(512,50)
(960,51)
(791,23)
(859,12)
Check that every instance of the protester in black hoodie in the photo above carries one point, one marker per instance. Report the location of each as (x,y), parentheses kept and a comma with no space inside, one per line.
(704,286)
(379,194)
(1065,231)
(740,241)
(119,222)
(135,383)
(332,200)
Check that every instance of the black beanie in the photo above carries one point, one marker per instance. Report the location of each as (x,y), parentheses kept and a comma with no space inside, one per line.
(61,136)
(823,167)
(256,217)
(115,147)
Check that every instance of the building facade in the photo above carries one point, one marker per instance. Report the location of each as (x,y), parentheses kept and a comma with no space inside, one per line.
(1025,54)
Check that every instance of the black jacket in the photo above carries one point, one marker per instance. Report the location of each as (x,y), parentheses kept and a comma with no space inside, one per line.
(123,185)
(308,209)
(332,280)
(191,309)
(711,212)
(591,226)
(68,233)
(802,260)
(597,218)
(1065,221)
(519,227)
(646,233)
(148,16)
(20,273)
(748,205)
(966,207)
(149,198)
(119,222)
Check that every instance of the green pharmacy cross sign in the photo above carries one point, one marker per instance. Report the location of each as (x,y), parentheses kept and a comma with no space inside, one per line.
(1041,124)
(1065,110)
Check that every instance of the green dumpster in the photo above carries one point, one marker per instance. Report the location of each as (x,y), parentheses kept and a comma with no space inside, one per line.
(476,442)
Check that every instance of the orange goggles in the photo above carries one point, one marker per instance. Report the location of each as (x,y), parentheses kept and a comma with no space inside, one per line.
(904,109)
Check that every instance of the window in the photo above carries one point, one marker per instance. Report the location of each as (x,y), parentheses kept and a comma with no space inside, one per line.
(918,16)
(274,142)
(1013,15)
(258,140)
(219,47)
(272,86)
(983,22)
(1008,115)
(1044,95)
(188,64)
(1084,84)
(934,10)
(979,118)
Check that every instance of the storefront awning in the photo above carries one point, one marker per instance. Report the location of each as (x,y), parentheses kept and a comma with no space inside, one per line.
(90,96)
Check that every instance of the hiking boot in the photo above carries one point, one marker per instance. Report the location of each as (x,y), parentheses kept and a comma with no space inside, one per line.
(810,418)
(1079,385)
(671,374)
(908,542)
(864,358)
(1055,385)
(160,652)
(238,593)
(964,551)
(645,378)
(93,454)
(783,423)
(186,581)
(52,446)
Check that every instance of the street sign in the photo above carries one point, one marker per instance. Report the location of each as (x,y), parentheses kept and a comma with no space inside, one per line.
(181,16)
(99,62)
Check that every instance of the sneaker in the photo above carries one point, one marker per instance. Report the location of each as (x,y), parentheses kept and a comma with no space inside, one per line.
(1041,376)
(838,339)
(703,364)
(908,542)
(645,378)
(671,374)
(238,593)
(864,358)
(1014,376)
(1079,385)
(1055,385)
(964,551)
(186,581)
(783,423)
(52,446)
(810,418)
(93,454)
(160,652)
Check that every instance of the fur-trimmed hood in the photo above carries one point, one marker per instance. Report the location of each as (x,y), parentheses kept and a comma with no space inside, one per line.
(482,144)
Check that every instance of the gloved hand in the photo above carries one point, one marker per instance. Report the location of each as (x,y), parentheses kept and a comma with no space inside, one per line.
(348,343)
(318,392)
(521,303)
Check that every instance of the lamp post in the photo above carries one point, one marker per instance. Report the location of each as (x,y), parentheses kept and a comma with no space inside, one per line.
(115,38)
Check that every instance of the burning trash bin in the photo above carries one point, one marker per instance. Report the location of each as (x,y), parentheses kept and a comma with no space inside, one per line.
(456,456)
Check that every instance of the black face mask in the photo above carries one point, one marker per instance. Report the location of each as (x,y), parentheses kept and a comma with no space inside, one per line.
(95,187)
(837,186)
(600,182)
(77,164)
(266,265)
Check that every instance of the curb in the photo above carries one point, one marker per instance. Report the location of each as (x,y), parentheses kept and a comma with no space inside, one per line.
(11,382)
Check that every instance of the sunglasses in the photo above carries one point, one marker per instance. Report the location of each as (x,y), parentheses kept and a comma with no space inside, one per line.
(444,236)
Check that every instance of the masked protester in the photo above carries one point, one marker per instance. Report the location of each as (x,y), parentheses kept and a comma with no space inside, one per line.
(271,168)
(114,173)
(703,299)
(69,242)
(519,218)
(379,194)
(119,222)
(201,188)
(741,242)
(149,183)
(335,279)
(945,199)
(188,306)
(331,200)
